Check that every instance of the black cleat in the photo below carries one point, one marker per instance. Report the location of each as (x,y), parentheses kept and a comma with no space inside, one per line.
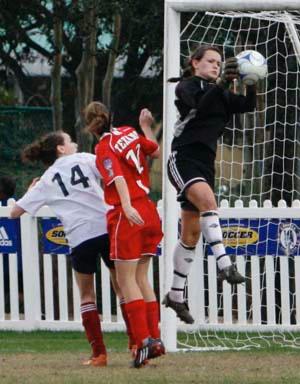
(181,309)
(231,275)
(153,348)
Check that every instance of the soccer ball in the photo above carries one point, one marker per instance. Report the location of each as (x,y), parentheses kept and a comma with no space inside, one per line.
(252,67)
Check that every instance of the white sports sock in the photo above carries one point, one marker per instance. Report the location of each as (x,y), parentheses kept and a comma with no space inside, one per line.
(210,226)
(183,259)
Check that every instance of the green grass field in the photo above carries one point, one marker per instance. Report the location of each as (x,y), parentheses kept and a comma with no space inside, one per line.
(56,357)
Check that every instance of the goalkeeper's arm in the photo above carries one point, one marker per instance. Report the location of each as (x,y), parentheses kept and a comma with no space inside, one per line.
(241,103)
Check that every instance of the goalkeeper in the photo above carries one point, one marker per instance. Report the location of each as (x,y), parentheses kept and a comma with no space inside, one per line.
(205,104)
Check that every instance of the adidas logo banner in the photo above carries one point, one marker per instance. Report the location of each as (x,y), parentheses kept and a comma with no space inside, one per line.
(54,240)
(9,236)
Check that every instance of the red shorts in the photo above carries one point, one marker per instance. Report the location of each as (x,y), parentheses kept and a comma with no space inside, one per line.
(131,242)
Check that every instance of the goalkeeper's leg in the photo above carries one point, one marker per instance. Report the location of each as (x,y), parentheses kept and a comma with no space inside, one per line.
(201,195)
(183,259)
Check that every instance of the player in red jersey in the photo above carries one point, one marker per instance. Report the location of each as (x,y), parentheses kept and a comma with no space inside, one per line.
(133,222)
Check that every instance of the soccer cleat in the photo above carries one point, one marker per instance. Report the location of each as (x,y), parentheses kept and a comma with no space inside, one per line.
(150,350)
(181,309)
(99,361)
(156,348)
(231,275)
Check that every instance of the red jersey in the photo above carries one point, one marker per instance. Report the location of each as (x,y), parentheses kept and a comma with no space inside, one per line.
(122,152)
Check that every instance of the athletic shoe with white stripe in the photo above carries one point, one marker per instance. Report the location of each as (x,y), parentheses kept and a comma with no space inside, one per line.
(151,349)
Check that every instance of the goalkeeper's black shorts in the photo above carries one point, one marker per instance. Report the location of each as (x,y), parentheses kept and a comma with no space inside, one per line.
(86,256)
(188,165)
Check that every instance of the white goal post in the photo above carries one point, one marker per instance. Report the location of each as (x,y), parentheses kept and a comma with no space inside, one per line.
(174,9)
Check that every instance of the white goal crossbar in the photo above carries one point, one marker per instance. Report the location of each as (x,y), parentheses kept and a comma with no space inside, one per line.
(221,5)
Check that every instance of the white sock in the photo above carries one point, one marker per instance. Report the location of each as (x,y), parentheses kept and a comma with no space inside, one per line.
(210,226)
(183,259)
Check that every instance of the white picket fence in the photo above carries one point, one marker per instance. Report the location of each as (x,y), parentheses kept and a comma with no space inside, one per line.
(242,308)
(51,299)
(60,300)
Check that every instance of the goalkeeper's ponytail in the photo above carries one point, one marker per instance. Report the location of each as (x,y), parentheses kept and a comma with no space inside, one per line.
(197,54)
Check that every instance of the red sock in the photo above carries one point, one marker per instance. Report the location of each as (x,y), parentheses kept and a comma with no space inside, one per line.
(92,326)
(127,322)
(136,311)
(152,309)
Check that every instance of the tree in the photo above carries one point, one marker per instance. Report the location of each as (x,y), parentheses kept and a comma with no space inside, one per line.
(57,63)
(108,78)
(75,35)
(85,71)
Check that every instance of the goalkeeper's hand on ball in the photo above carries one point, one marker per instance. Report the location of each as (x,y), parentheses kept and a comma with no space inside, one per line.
(230,72)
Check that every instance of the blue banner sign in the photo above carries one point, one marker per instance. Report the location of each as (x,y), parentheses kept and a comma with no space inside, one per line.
(9,235)
(54,240)
(261,237)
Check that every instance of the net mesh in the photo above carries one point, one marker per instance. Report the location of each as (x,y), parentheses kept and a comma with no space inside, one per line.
(259,154)
(263,311)
(258,160)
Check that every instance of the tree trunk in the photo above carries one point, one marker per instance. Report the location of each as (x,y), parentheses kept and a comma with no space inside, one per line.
(57,65)
(108,78)
(85,73)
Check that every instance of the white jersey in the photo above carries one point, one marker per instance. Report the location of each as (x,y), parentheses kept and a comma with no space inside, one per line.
(70,187)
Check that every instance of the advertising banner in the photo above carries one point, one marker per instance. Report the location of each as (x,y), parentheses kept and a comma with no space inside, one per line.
(54,240)
(261,237)
(9,235)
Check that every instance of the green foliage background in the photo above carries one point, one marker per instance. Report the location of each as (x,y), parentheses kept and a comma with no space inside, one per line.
(20,126)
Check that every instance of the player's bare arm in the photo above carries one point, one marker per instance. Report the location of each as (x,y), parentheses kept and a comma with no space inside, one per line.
(131,213)
(146,120)
(16,212)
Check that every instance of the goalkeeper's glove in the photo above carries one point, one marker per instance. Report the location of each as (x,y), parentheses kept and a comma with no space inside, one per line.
(229,73)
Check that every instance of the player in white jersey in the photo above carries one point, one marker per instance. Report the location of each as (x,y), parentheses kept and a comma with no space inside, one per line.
(71,188)
(71,179)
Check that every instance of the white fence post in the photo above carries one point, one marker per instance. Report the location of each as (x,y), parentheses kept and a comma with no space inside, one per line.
(14,286)
(31,270)
(2,297)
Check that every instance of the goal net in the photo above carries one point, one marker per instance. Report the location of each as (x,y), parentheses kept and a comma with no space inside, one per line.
(257,168)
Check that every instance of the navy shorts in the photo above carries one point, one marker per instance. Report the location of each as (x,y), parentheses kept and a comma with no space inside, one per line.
(85,257)
(191,164)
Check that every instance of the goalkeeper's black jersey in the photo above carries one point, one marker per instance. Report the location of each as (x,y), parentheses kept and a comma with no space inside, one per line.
(204,110)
